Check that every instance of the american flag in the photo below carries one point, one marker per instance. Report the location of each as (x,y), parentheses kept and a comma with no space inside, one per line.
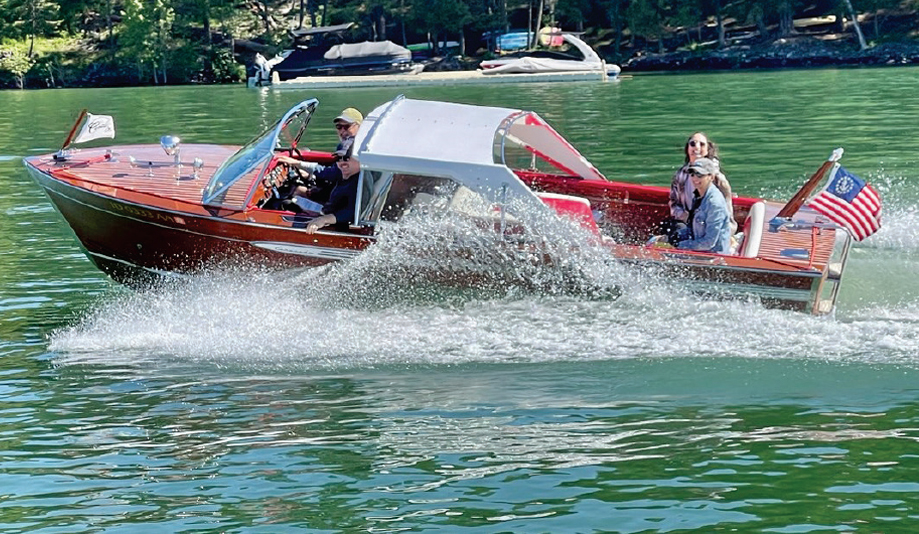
(851,203)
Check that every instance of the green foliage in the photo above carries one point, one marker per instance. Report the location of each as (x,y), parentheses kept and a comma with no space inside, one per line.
(645,18)
(117,42)
(15,62)
(441,17)
(225,68)
(32,18)
(146,36)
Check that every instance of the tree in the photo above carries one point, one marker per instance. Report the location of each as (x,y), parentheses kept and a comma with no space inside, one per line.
(440,18)
(34,17)
(719,18)
(862,45)
(17,63)
(573,12)
(688,15)
(146,34)
(645,18)
(616,10)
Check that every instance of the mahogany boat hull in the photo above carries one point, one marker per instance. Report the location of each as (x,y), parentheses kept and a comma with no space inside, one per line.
(131,241)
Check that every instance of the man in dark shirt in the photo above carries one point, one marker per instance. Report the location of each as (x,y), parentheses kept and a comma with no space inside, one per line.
(340,209)
(347,123)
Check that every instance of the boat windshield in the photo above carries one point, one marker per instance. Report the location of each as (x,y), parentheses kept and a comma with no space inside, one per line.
(249,162)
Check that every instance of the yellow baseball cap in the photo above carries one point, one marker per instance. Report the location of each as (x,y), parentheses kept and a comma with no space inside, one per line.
(349,115)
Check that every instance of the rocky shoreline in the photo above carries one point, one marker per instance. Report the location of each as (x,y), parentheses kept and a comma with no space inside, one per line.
(782,53)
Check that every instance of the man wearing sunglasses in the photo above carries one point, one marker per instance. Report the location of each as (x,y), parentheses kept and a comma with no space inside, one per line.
(340,208)
(347,123)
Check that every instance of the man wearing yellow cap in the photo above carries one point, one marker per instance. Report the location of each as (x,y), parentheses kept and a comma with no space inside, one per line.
(347,123)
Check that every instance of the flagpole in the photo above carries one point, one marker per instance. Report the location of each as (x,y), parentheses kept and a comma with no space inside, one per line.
(798,199)
(73,131)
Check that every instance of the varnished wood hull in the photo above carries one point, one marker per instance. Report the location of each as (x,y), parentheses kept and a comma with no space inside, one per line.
(128,240)
(135,230)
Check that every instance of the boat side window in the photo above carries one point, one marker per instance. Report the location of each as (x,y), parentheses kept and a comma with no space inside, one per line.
(409,192)
(518,157)
(372,207)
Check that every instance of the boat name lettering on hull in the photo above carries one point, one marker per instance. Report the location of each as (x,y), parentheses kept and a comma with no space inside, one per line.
(141,212)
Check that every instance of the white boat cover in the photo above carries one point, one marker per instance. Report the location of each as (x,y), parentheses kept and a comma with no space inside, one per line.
(462,141)
(367,49)
(591,61)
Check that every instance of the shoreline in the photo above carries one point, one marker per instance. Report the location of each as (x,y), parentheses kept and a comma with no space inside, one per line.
(796,52)
(789,53)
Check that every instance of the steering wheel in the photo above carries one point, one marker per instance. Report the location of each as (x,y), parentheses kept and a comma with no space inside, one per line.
(292,151)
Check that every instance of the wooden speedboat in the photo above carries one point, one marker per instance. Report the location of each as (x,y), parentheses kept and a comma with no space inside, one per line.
(142,209)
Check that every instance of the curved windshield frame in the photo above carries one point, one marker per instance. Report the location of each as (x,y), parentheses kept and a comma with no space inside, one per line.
(283,134)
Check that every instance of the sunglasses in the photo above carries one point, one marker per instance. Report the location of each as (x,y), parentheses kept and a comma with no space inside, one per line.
(342,126)
(695,143)
(343,158)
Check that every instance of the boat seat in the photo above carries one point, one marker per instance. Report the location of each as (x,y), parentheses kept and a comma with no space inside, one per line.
(753,230)
(572,207)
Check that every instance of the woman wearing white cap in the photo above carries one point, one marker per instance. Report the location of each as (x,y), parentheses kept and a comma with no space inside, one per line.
(709,227)
(682,192)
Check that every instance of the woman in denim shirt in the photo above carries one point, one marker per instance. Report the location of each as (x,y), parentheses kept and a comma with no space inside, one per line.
(710,227)
(681,188)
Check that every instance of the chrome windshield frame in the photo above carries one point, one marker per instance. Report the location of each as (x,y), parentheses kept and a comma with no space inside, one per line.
(257,152)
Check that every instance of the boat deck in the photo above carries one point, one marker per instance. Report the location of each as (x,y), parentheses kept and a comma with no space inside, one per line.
(144,169)
(810,247)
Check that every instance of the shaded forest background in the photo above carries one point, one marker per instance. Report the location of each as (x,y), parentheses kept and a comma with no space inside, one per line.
(93,43)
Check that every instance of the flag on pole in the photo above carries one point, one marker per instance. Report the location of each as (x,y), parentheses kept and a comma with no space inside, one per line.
(851,203)
(96,127)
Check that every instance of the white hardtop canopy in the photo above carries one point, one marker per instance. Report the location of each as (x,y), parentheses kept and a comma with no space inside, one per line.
(465,143)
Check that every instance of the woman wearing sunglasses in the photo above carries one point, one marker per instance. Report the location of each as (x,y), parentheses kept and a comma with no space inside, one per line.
(683,193)
(709,228)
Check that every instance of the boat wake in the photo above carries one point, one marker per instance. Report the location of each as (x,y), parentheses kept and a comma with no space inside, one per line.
(379,311)
(237,322)
(900,224)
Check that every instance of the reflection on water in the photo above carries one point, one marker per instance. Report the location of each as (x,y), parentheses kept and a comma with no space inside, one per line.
(358,398)
(470,445)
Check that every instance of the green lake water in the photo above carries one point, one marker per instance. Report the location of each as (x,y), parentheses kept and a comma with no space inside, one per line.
(238,402)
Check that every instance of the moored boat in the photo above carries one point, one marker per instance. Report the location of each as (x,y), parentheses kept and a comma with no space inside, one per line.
(585,59)
(323,52)
(137,210)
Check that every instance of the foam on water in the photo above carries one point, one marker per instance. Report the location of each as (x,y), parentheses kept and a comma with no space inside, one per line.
(231,320)
(380,309)
(369,313)
(900,216)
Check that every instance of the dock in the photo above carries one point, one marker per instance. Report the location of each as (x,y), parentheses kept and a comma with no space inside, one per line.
(450,78)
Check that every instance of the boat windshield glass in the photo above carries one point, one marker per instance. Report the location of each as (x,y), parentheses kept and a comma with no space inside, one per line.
(250,161)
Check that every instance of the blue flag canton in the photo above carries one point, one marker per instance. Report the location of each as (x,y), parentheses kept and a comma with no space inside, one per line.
(845,185)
